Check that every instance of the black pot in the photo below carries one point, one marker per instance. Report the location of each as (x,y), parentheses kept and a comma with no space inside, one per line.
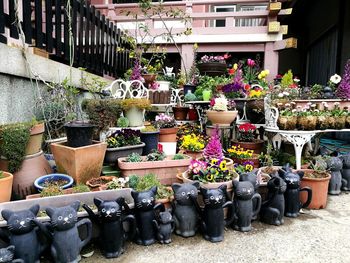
(151,140)
(188,88)
(255,111)
(112,154)
(212,68)
(79,133)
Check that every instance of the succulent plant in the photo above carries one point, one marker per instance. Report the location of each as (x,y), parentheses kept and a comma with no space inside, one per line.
(123,122)
(134,158)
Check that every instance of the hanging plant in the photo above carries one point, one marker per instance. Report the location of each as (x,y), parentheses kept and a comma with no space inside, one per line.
(14,139)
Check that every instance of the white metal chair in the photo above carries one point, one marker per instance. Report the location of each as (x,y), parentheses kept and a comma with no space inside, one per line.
(118,89)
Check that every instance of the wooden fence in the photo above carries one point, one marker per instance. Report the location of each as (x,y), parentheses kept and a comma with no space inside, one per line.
(46,25)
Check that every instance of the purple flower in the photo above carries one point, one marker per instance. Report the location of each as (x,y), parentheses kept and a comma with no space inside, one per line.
(343,90)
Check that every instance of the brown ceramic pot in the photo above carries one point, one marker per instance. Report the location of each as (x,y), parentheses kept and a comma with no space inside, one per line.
(180,113)
(95,183)
(257,145)
(36,139)
(82,163)
(168,134)
(6,187)
(149,78)
(32,167)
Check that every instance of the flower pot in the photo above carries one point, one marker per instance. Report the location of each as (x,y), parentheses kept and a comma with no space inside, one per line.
(36,139)
(79,133)
(322,122)
(135,117)
(212,68)
(168,134)
(32,167)
(194,155)
(180,113)
(257,145)
(255,111)
(38,183)
(150,139)
(163,85)
(165,170)
(191,88)
(82,163)
(159,96)
(192,115)
(95,183)
(221,118)
(6,187)
(331,122)
(149,78)
(254,159)
(319,188)
(287,122)
(307,123)
(340,122)
(112,154)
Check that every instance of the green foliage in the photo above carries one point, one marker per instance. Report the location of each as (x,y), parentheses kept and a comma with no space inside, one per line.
(14,139)
(134,158)
(123,122)
(190,97)
(142,104)
(51,190)
(2,176)
(102,112)
(148,181)
(287,79)
(155,156)
(149,128)
(81,188)
(133,181)
(179,156)
(91,82)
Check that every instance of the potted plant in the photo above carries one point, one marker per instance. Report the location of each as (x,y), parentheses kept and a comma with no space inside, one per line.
(150,137)
(134,110)
(287,119)
(212,65)
(180,112)
(339,116)
(121,143)
(240,155)
(167,132)
(247,138)
(221,112)
(164,167)
(96,184)
(62,180)
(6,180)
(307,119)
(193,145)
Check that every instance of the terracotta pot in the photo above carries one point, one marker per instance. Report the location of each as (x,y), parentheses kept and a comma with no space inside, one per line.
(6,187)
(254,159)
(221,118)
(168,134)
(194,155)
(36,139)
(257,146)
(112,154)
(149,78)
(99,181)
(165,170)
(319,188)
(287,122)
(32,168)
(255,111)
(180,113)
(82,163)
(212,68)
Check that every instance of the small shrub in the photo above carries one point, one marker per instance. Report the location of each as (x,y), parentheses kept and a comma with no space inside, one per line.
(133,181)
(81,188)
(149,128)
(123,122)
(155,156)
(118,183)
(134,158)
(178,156)
(148,181)
(51,190)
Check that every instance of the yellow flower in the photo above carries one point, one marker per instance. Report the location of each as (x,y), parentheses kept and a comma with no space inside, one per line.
(249,167)
(260,76)
(223,166)
(195,46)
(210,177)
(214,161)
(235,66)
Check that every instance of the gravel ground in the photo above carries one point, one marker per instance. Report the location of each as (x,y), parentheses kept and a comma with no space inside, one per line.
(316,236)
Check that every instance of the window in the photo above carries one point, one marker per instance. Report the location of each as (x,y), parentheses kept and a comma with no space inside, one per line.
(245,22)
(222,22)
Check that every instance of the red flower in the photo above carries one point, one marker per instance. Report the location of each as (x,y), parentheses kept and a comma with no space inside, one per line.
(247,87)
(231,71)
(212,102)
(160,147)
(227,56)
(246,127)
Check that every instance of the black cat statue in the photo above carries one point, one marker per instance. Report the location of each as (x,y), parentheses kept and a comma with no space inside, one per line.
(23,234)
(345,173)
(145,208)
(66,243)
(252,177)
(335,164)
(272,210)
(246,205)
(7,255)
(291,196)
(164,226)
(109,219)
(185,208)
(213,222)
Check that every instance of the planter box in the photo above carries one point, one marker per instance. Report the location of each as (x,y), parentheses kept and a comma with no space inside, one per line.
(82,163)
(165,170)
(212,68)
(112,154)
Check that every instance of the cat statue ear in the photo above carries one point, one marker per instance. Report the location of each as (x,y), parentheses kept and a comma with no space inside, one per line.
(35,209)
(6,214)
(154,189)
(49,211)
(203,190)
(301,174)
(223,187)
(175,187)
(98,201)
(76,205)
(11,249)
(134,194)
(196,184)
(120,201)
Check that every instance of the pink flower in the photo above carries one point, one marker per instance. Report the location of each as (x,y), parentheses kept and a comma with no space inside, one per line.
(250,62)
(212,102)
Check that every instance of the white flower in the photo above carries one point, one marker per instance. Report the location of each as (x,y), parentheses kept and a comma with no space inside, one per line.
(220,104)
(313,105)
(335,79)
(285,93)
(287,105)
(294,110)
(280,95)
(309,103)
(296,80)
(336,103)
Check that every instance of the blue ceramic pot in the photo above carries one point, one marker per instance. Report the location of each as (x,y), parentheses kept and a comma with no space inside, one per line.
(39,182)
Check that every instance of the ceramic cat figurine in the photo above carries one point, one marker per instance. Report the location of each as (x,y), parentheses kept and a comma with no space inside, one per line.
(66,243)
(213,222)
(345,173)
(272,210)
(145,207)
(291,196)
(185,208)
(109,219)
(253,178)
(244,207)
(7,255)
(164,226)
(334,164)
(23,234)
